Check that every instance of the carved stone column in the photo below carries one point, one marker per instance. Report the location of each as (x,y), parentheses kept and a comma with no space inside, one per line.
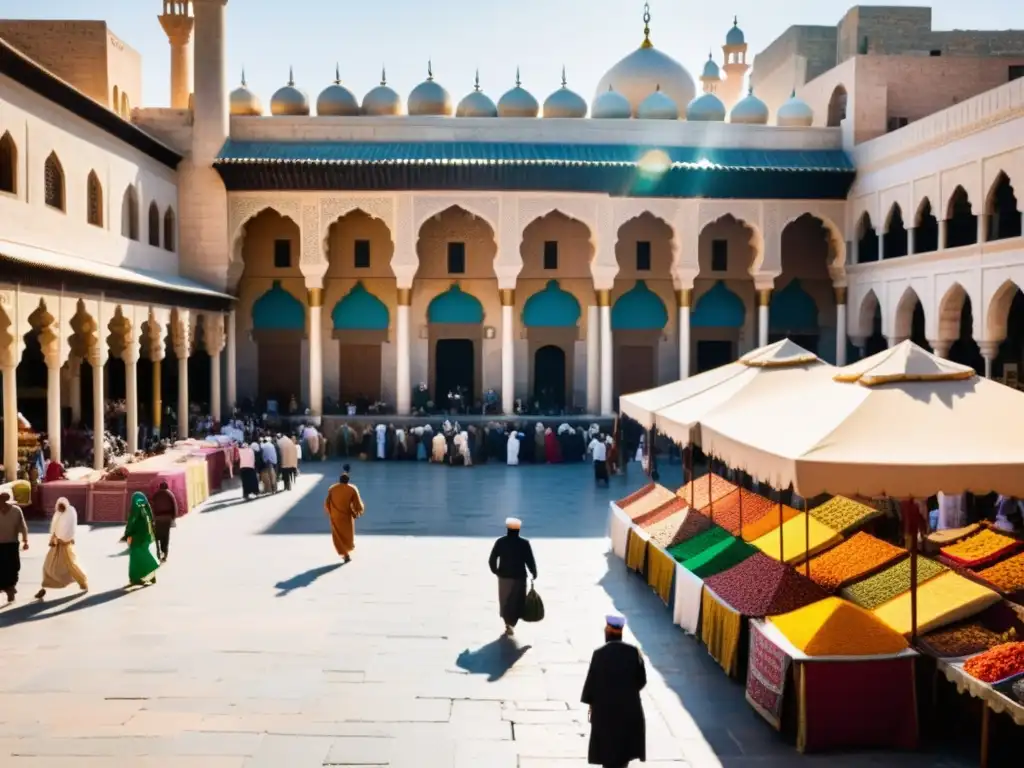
(604,305)
(213,335)
(684,301)
(841,323)
(9,373)
(98,360)
(508,351)
(316,352)
(182,350)
(131,387)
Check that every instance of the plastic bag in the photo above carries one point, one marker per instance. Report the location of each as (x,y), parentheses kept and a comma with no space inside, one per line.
(533,608)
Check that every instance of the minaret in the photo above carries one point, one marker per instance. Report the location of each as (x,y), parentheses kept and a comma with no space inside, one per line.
(178,23)
(731,89)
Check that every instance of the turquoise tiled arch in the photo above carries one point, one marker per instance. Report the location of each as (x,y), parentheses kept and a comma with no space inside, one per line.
(639,309)
(455,306)
(278,310)
(360,310)
(792,309)
(551,308)
(718,308)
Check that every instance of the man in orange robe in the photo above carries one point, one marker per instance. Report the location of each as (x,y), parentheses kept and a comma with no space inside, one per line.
(343,506)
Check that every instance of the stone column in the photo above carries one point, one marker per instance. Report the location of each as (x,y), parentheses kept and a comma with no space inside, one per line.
(9,373)
(231,363)
(75,393)
(764,300)
(982,227)
(989,352)
(98,361)
(182,350)
(214,339)
(131,393)
(684,300)
(403,353)
(942,234)
(593,360)
(604,303)
(881,246)
(508,350)
(840,325)
(316,352)
(53,426)
(940,347)
(910,241)
(178,26)
(158,400)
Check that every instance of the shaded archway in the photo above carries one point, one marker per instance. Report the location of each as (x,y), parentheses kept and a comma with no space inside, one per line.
(793,314)
(926,229)
(803,304)
(1004,220)
(870,324)
(638,319)
(278,328)
(360,322)
(909,320)
(956,328)
(455,321)
(550,380)
(867,240)
(32,374)
(961,223)
(717,319)
(551,318)
(837,107)
(895,238)
(1005,324)
(199,363)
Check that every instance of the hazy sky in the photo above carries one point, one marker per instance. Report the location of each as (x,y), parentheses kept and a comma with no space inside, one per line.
(539,36)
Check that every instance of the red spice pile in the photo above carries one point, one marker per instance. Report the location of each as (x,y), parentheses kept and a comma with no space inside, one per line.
(739,505)
(762,586)
(997,664)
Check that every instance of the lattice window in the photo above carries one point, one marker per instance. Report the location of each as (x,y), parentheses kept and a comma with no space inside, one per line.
(94,193)
(54,182)
(130,214)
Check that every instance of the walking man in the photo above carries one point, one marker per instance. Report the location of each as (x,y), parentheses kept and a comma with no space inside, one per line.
(598,451)
(269,453)
(612,691)
(511,557)
(165,513)
(343,505)
(288,452)
(12,525)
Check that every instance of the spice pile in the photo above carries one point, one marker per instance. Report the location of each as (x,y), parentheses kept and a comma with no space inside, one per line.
(684,550)
(663,531)
(635,496)
(749,508)
(1007,575)
(649,502)
(997,663)
(965,639)
(718,558)
(852,559)
(890,583)
(659,513)
(986,547)
(796,545)
(692,525)
(842,514)
(943,600)
(761,586)
(720,487)
(834,627)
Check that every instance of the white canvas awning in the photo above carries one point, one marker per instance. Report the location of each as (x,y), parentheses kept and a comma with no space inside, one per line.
(903,423)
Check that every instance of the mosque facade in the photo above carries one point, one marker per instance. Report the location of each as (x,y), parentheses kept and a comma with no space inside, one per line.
(536,250)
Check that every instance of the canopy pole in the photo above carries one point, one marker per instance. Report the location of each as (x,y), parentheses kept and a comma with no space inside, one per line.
(711,503)
(782,546)
(807,536)
(689,472)
(740,478)
(910,514)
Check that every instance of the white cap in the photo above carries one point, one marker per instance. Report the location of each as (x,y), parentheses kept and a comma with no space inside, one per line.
(615,621)
(513,523)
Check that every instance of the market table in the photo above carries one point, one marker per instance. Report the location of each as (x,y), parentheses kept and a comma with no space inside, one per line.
(991,699)
(75,491)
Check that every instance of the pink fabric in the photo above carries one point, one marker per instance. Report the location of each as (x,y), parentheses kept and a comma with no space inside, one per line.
(76,491)
(177,484)
(108,502)
(216,466)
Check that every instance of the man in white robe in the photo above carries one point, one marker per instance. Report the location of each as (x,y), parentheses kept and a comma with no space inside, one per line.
(382,432)
(512,449)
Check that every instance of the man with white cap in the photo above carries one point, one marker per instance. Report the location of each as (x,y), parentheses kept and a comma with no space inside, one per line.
(510,559)
(612,691)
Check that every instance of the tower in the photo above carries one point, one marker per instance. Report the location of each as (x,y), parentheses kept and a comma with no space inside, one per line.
(736,67)
(178,23)
(710,77)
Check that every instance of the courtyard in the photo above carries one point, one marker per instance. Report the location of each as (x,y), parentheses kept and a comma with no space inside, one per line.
(258,648)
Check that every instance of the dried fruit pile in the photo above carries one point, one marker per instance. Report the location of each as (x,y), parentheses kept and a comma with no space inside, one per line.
(997,663)
(702,541)
(693,525)
(842,514)
(650,501)
(635,496)
(752,507)
(720,487)
(851,560)
(985,547)
(965,639)
(834,627)
(718,558)
(659,513)
(1007,575)
(890,583)
(663,531)
(761,586)
(797,545)
(943,600)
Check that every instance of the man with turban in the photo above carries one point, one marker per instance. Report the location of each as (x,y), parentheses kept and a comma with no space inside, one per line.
(511,557)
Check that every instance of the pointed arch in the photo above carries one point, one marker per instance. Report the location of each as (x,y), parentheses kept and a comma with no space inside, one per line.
(169,229)
(867,240)
(903,319)
(961,223)
(8,164)
(718,308)
(278,310)
(154,224)
(455,306)
(1002,208)
(94,200)
(837,106)
(869,308)
(360,310)
(926,228)
(951,306)
(998,314)
(556,241)
(130,213)
(639,309)
(53,179)
(793,311)
(895,237)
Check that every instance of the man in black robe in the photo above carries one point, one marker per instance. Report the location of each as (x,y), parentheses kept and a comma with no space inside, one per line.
(612,691)
(510,559)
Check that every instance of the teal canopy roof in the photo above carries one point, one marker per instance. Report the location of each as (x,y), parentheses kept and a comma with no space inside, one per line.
(718,308)
(278,310)
(455,306)
(360,310)
(639,309)
(551,308)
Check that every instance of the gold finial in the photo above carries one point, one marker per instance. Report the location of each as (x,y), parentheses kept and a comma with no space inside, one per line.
(476,81)
(383,75)
(430,70)
(565,83)
(647,27)
(518,81)
(243,78)
(337,74)
(291,76)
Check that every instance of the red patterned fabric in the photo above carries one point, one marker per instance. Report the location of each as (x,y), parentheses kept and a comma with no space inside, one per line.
(108,502)
(178,485)
(75,491)
(216,466)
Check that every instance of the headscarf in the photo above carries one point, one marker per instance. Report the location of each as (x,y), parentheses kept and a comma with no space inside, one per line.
(140,506)
(64,523)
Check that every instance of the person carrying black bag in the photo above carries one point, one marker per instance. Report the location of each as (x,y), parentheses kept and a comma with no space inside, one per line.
(511,558)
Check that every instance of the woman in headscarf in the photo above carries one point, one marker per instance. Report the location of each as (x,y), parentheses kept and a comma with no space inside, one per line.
(552,451)
(142,560)
(54,472)
(512,449)
(60,568)
(439,447)
(343,505)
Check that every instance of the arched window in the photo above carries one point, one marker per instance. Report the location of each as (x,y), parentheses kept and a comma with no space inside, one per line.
(8,164)
(154,225)
(169,229)
(837,107)
(130,213)
(53,175)
(94,194)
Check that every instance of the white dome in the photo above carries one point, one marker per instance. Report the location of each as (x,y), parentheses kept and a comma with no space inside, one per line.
(644,70)
(336,100)
(289,100)
(749,111)
(706,109)
(611,105)
(795,113)
(518,102)
(476,103)
(382,100)
(430,97)
(564,102)
(658,106)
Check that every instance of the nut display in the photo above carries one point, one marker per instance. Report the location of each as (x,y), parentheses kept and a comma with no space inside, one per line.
(875,590)
(757,514)
(698,488)
(965,639)
(842,514)
(1007,575)
(984,547)
(852,559)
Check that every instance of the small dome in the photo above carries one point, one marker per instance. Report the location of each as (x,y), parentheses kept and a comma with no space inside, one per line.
(336,100)
(564,102)
(476,103)
(430,97)
(658,106)
(706,109)
(289,101)
(711,71)
(382,100)
(611,105)
(244,103)
(518,102)
(795,113)
(735,35)
(750,111)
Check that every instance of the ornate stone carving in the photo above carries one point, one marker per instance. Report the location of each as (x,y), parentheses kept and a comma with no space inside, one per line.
(583,208)
(486,208)
(241,209)
(313,251)
(334,208)
(746,211)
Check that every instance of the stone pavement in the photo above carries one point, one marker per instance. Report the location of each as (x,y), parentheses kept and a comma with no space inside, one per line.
(257,648)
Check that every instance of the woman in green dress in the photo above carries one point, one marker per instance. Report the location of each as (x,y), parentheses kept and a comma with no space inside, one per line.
(142,560)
